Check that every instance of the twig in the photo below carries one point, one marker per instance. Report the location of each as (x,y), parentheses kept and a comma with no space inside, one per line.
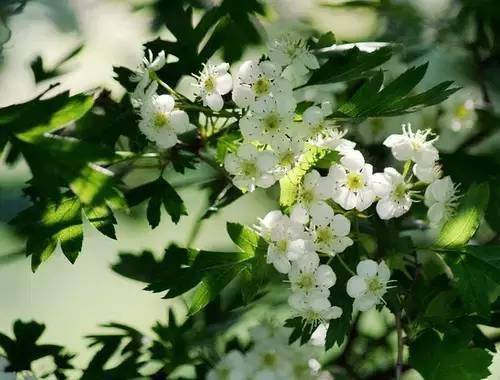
(399,358)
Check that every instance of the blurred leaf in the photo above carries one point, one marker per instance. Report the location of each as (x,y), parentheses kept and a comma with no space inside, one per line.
(159,193)
(446,358)
(49,223)
(22,350)
(41,73)
(463,225)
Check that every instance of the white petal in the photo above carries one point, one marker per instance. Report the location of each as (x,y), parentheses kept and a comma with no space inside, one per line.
(165,103)
(393,140)
(298,248)
(341,225)
(249,71)
(364,199)
(334,312)
(282,264)
(353,160)
(311,179)
(166,138)
(270,70)
(312,116)
(297,301)
(179,121)
(325,276)
(365,302)
(299,214)
(250,128)
(214,101)
(356,286)
(248,151)
(232,163)
(321,214)
(265,181)
(367,268)
(266,161)
(386,208)
(243,96)
(384,274)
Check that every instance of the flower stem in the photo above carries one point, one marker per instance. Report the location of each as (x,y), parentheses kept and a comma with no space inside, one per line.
(399,358)
(345,265)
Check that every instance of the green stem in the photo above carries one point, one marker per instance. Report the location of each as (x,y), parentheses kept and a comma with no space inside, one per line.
(345,265)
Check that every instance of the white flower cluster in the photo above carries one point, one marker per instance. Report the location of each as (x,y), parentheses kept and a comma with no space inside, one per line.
(270,358)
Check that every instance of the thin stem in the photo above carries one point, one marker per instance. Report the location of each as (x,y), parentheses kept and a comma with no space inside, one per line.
(345,265)
(399,358)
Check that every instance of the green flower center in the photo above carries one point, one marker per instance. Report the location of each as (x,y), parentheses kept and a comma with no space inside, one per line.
(209,84)
(374,285)
(462,112)
(355,181)
(223,373)
(287,159)
(399,191)
(306,281)
(261,86)
(160,120)
(307,196)
(282,246)
(272,122)
(249,169)
(324,235)
(269,359)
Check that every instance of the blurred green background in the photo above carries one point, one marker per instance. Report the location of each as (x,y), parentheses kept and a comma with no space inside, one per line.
(73,299)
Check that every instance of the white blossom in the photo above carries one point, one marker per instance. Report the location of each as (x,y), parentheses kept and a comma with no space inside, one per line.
(394,194)
(257,80)
(312,193)
(292,53)
(214,82)
(307,276)
(287,240)
(413,146)
(231,367)
(330,231)
(351,182)
(160,122)
(269,361)
(459,112)
(427,174)
(251,168)
(287,152)
(314,119)
(441,197)
(314,307)
(333,139)
(143,75)
(268,123)
(369,285)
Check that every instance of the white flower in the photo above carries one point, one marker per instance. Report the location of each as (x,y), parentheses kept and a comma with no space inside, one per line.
(160,122)
(314,119)
(288,152)
(252,168)
(369,285)
(413,146)
(256,80)
(427,174)
(143,74)
(287,240)
(459,112)
(394,194)
(351,182)
(312,193)
(268,361)
(269,124)
(441,198)
(314,307)
(231,367)
(333,139)
(292,53)
(213,82)
(307,276)
(329,230)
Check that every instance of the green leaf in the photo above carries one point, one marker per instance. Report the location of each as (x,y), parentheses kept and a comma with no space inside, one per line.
(49,223)
(444,358)
(159,192)
(346,65)
(374,100)
(463,225)
(289,185)
(476,270)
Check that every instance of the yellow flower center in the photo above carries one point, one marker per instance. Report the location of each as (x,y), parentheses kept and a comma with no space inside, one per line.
(209,84)
(355,181)
(462,112)
(269,359)
(324,235)
(249,169)
(160,119)
(374,285)
(272,122)
(306,281)
(282,246)
(261,86)
(307,196)
(287,159)
(399,191)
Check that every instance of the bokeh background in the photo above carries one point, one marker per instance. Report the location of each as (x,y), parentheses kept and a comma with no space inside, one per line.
(72,300)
